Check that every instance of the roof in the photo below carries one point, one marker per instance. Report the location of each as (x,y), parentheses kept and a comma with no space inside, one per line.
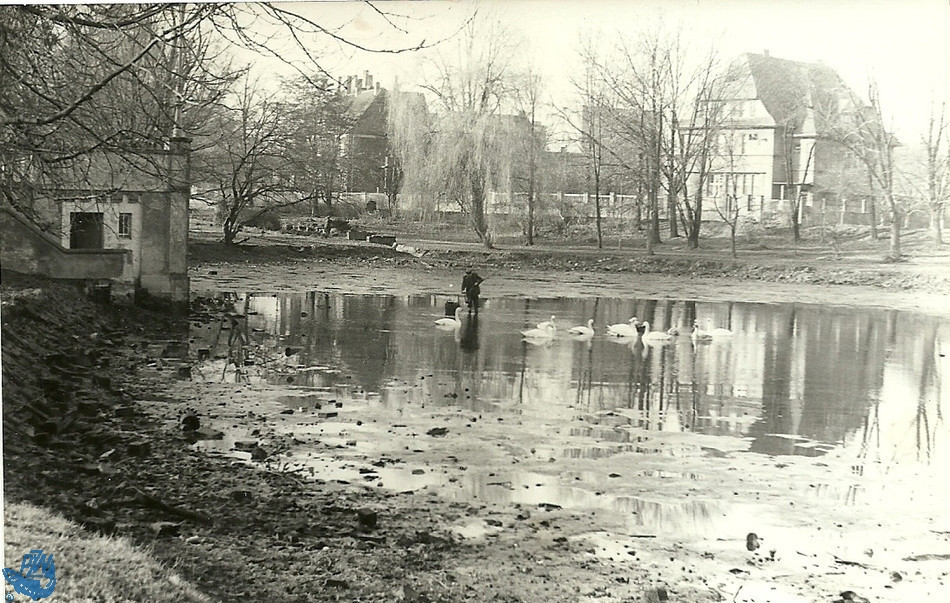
(369,109)
(797,94)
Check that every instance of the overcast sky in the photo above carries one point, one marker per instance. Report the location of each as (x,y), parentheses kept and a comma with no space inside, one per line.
(904,45)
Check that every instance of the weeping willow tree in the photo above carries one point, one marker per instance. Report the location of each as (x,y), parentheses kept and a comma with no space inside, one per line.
(463,151)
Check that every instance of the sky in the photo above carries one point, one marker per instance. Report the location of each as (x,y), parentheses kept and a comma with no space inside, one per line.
(904,46)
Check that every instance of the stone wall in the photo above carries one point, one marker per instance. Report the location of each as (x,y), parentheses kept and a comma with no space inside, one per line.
(25,248)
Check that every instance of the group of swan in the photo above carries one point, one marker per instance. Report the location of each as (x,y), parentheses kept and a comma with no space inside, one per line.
(634,328)
(631,328)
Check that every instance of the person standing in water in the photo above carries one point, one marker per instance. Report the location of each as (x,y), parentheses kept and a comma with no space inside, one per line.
(471,288)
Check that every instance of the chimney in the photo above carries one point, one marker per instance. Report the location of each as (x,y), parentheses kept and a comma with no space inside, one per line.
(367,79)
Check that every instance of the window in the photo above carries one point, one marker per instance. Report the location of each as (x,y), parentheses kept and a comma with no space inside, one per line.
(753,136)
(125,225)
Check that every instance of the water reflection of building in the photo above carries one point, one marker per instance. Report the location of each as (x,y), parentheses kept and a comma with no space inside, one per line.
(818,374)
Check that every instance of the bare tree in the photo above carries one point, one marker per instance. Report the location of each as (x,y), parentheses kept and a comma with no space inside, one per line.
(529,97)
(727,205)
(589,126)
(467,150)
(410,134)
(859,128)
(937,150)
(699,114)
(316,118)
(87,78)
(244,171)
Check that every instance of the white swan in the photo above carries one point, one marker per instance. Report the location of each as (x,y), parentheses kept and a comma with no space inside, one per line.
(654,336)
(623,329)
(547,323)
(720,332)
(545,333)
(583,331)
(451,322)
(699,334)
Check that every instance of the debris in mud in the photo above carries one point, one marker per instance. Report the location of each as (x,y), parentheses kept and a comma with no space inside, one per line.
(164,528)
(655,595)
(367,518)
(190,421)
(752,541)
(437,431)
(849,596)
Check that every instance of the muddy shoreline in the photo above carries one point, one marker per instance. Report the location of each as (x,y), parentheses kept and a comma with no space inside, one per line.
(332,541)
(274,266)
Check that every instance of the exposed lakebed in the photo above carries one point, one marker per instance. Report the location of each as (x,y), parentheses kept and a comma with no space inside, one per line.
(818,427)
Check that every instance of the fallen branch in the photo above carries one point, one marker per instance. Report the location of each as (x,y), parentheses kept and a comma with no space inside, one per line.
(150,501)
(854,563)
(928,557)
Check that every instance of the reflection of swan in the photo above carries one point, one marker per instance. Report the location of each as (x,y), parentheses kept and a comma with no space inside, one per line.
(720,332)
(655,336)
(588,330)
(623,329)
(547,323)
(545,333)
(699,334)
(451,322)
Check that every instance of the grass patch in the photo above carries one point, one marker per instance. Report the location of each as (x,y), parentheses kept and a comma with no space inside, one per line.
(90,567)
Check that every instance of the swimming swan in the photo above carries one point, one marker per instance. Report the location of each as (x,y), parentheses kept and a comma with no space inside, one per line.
(547,323)
(699,334)
(451,322)
(588,330)
(719,333)
(654,336)
(623,329)
(547,332)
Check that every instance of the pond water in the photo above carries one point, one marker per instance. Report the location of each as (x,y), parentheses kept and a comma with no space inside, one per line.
(374,374)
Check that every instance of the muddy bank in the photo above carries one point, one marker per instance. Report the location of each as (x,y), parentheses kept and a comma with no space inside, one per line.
(93,431)
(333,265)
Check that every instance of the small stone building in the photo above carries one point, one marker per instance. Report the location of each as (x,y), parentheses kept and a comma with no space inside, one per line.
(124,224)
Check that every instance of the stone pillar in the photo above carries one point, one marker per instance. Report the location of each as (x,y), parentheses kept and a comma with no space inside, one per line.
(164,268)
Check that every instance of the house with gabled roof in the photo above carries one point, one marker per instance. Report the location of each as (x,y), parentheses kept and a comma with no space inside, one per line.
(365,148)
(771,144)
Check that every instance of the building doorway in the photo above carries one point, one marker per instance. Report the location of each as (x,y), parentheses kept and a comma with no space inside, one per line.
(85,230)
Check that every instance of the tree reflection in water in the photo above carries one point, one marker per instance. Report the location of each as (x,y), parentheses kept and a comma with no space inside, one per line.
(795,379)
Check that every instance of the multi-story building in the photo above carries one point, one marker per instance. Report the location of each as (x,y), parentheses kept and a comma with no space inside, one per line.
(366,154)
(772,145)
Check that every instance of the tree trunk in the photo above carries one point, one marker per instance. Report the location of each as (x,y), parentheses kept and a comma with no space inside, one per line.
(936,211)
(895,229)
(873,207)
(479,220)
(696,220)
(600,234)
(671,212)
(651,224)
(732,236)
(531,177)
(655,220)
(795,210)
